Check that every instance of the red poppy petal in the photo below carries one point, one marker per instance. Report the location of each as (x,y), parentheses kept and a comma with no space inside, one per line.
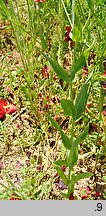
(2,112)
(11,109)
(3,103)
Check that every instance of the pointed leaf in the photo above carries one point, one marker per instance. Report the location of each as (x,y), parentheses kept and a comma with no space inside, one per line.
(4,10)
(65,139)
(68,107)
(77,65)
(100,2)
(76,34)
(73,156)
(91,4)
(81,101)
(82,136)
(62,175)
(54,123)
(61,72)
(43,41)
(81,176)
(61,163)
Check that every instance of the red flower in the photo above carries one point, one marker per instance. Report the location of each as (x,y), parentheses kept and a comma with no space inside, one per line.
(3,103)
(5,108)
(89,105)
(45,72)
(47,107)
(68,29)
(97,194)
(11,109)
(2,112)
(39,0)
(13,197)
(63,168)
(72,43)
(105,73)
(40,95)
(68,37)
(85,191)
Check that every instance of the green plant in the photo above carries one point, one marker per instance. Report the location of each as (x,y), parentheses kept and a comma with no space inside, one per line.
(75,105)
(36,29)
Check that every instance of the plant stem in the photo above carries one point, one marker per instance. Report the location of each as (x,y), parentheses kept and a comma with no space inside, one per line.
(87,21)
(66,13)
(73,15)
(71,120)
(19,49)
(29,13)
(71,94)
(100,118)
(81,8)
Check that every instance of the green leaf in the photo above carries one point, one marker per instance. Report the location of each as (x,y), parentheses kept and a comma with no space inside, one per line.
(54,122)
(73,156)
(4,10)
(61,72)
(78,22)
(76,34)
(81,101)
(68,107)
(62,175)
(44,46)
(77,65)
(65,139)
(26,92)
(82,136)
(81,176)
(91,4)
(100,2)
(61,163)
